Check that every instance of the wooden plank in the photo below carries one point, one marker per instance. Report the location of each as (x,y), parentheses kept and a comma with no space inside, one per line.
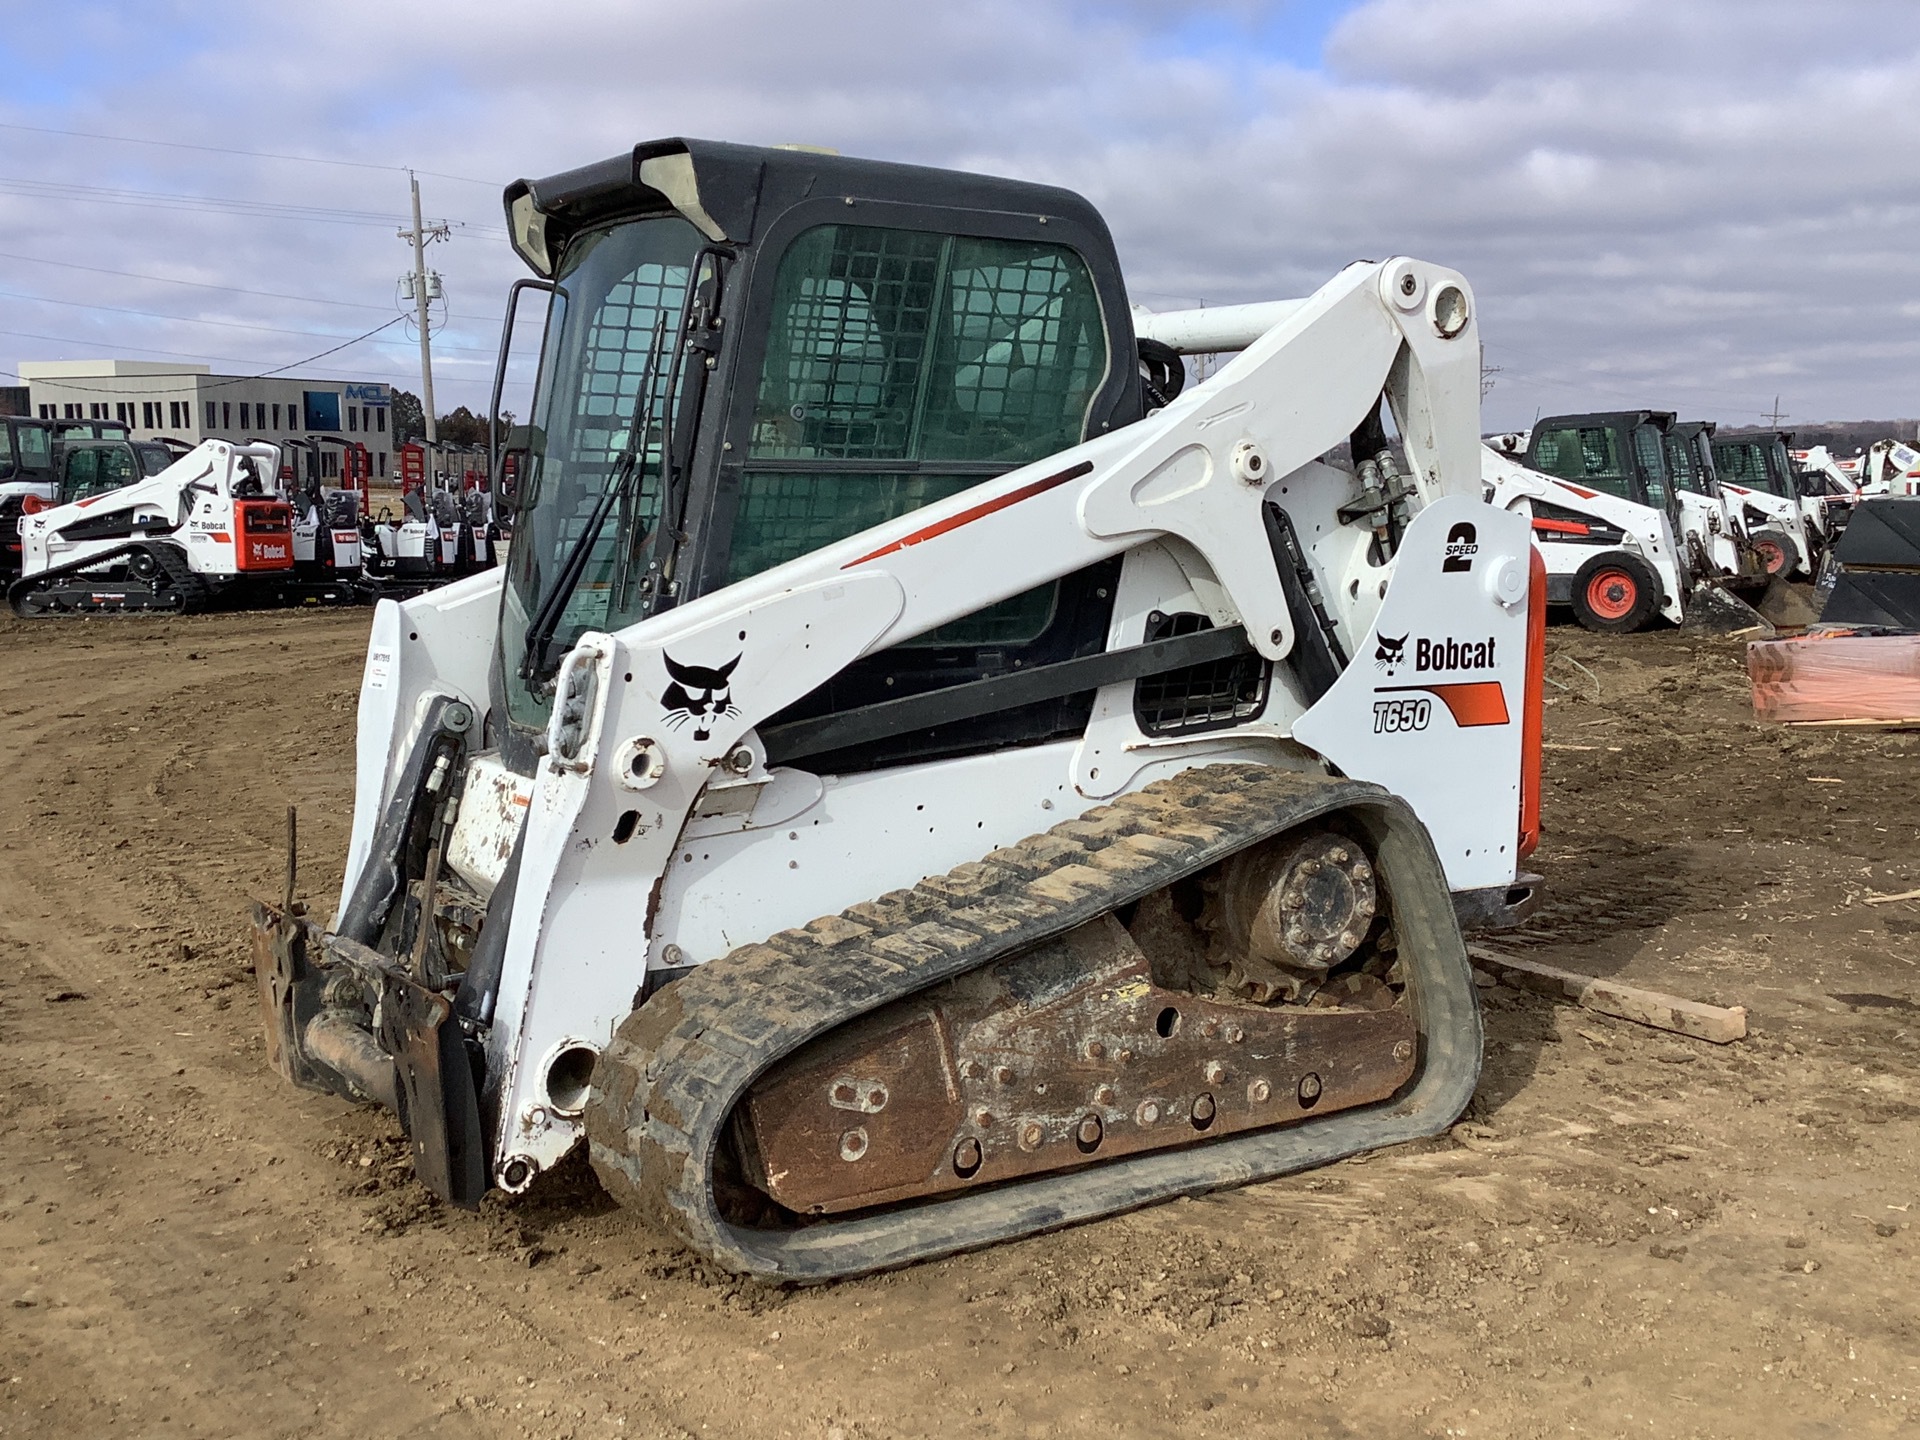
(1718,1024)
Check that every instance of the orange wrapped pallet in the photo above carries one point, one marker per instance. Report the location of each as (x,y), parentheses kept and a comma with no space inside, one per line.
(1836,677)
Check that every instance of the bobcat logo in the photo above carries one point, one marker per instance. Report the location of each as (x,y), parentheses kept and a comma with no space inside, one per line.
(1390,654)
(699,694)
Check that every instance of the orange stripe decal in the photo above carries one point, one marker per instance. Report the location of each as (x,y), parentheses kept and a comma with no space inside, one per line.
(1584,494)
(1471,702)
(1562,527)
(973,513)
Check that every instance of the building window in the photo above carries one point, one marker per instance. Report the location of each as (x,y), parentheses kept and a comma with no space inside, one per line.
(353,417)
(96,410)
(46,412)
(213,415)
(177,414)
(380,419)
(276,417)
(226,415)
(383,460)
(123,411)
(70,412)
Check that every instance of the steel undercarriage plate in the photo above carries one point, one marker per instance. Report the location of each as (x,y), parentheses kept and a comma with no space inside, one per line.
(1062,1056)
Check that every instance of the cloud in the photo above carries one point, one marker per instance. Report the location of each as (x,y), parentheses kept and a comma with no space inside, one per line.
(1694,204)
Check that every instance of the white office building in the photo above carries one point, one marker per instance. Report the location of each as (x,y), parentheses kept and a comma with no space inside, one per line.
(188,402)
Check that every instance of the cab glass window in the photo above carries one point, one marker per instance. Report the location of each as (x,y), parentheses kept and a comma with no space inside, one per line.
(1588,455)
(95,472)
(1649,451)
(901,368)
(1744,463)
(36,448)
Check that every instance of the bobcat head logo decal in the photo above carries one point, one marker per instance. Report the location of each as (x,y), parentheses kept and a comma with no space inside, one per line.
(1390,654)
(699,694)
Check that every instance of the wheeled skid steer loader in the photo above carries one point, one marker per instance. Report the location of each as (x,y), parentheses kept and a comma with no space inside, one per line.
(915,781)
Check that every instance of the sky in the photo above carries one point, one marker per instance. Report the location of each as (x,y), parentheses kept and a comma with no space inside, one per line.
(1695,205)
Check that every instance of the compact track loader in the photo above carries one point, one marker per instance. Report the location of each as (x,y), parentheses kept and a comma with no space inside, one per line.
(925,774)
(211,522)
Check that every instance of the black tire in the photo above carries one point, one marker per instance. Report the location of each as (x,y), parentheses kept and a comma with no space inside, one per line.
(1615,593)
(1777,551)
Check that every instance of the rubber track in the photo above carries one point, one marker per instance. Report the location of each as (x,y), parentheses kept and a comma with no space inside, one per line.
(676,1068)
(192,590)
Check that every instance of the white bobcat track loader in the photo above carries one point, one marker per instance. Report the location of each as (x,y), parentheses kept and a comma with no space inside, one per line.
(914,784)
(169,542)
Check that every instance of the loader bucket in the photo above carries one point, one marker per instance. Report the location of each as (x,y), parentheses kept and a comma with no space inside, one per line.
(1717,610)
(1786,605)
(1878,556)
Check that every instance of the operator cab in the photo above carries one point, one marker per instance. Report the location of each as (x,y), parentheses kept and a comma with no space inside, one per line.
(1622,453)
(753,353)
(94,467)
(26,450)
(1759,462)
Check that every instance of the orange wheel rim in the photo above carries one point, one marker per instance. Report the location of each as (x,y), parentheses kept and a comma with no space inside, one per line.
(1612,594)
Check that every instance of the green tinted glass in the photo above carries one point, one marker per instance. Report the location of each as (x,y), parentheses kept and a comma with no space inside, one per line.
(906,346)
(1585,454)
(36,447)
(1649,451)
(897,344)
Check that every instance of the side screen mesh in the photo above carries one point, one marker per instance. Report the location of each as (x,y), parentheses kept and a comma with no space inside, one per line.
(1208,696)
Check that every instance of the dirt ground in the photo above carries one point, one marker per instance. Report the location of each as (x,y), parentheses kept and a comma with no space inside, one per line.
(1632,1234)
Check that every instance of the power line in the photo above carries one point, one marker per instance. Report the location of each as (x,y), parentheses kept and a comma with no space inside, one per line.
(192,204)
(194,320)
(181,355)
(228,289)
(254,154)
(210,204)
(156,315)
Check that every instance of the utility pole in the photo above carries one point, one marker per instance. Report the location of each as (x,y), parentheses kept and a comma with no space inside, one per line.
(421,236)
(1774,416)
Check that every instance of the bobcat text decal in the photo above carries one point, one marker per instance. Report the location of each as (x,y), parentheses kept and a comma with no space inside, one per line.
(1453,654)
(698,693)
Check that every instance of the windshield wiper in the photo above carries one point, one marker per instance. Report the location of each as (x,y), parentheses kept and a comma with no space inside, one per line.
(535,663)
